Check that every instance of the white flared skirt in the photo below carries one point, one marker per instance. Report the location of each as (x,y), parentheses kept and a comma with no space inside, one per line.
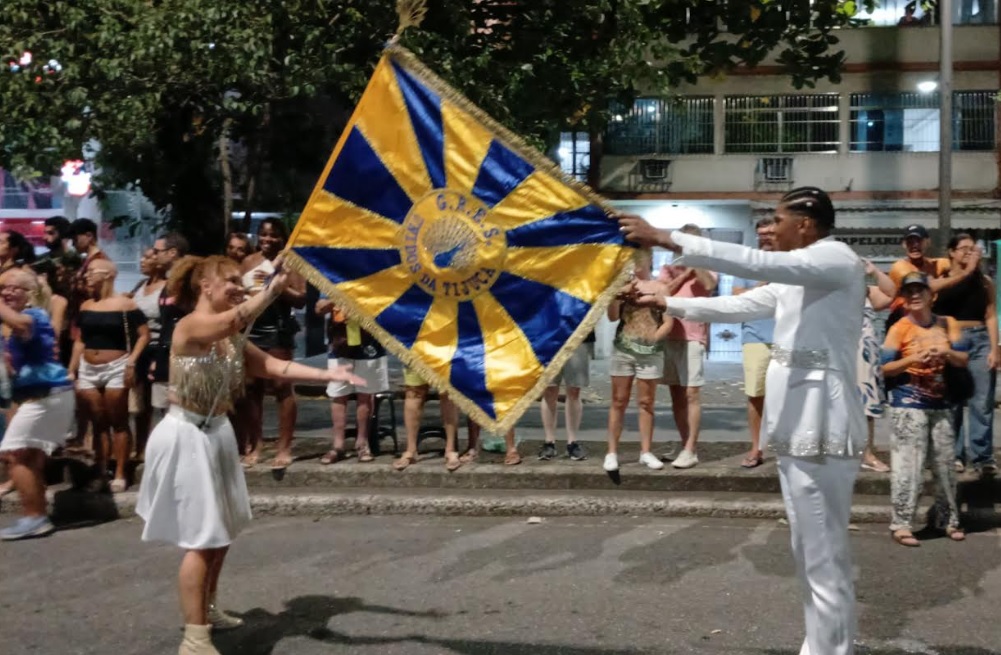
(193,491)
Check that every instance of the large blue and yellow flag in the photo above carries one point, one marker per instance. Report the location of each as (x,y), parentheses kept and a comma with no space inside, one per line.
(466,253)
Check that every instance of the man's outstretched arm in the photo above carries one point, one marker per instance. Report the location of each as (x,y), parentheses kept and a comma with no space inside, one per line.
(824,269)
(749,306)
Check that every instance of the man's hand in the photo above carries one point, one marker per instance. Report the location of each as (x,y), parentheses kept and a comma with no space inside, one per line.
(993,361)
(647,288)
(656,301)
(636,230)
(648,293)
(870,268)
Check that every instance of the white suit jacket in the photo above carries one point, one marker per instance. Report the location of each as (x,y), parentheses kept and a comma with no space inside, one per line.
(816,295)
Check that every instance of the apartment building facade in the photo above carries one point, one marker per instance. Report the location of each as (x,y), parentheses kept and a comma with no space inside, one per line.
(721,152)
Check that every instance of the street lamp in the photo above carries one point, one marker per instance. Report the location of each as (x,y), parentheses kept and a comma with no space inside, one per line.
(945,124)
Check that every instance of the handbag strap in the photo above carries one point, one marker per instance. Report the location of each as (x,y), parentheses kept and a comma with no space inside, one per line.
(128,332)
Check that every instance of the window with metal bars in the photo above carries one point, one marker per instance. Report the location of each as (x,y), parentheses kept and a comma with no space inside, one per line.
(918,13)
(781,124)
(659,126)
(909,122)
(574,154)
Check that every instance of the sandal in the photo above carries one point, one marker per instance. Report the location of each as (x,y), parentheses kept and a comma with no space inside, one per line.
(752,462)
(469,457)
(333,456)
(452,461)
(405,460)
(875,466)
(512,458)
(249,460)
(281,462)
(956,534)
(906,538)
(118,485)
(364,454)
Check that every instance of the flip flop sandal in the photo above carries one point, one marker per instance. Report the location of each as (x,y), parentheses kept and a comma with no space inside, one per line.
(364,454)
(249,461)
(452,462)
(752,462)
(332,457)
(906,538)
(512,459)
(280,464)
(405,460)
(956,534)
(469,457)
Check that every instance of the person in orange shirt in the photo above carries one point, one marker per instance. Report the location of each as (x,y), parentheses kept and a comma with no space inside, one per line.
(916,243)
(915,356)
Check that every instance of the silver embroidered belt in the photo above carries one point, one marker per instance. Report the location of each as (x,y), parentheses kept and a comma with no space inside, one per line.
(815,359)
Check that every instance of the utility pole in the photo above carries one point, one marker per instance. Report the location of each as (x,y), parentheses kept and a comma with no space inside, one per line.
(945,125)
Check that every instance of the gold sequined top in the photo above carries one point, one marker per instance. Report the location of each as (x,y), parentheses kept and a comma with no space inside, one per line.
(196,381)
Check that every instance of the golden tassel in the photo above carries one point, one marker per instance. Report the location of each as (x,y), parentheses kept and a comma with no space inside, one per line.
(411,13)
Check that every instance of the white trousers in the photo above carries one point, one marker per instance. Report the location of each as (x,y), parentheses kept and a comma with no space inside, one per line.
(818,499)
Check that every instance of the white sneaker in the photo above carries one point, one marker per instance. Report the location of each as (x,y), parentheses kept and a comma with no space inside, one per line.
(611,463)
(686,460)
(651,461)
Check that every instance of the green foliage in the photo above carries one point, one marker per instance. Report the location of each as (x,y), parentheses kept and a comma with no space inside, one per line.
(162,84)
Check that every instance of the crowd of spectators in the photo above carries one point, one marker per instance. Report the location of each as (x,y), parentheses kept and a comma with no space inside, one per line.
(934,366)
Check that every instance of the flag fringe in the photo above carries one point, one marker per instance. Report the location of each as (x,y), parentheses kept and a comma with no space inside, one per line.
(518,144)
(508,421)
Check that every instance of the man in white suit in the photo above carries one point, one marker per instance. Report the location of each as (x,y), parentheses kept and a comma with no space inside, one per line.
(813,414)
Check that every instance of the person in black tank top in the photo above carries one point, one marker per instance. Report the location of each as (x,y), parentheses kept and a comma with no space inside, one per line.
(274,333)
(971,303)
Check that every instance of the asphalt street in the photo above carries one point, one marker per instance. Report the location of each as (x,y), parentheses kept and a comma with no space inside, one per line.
(493,586)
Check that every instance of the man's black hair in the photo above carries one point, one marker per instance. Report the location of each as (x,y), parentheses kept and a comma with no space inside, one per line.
(62,225)
(811,202)
(84,226)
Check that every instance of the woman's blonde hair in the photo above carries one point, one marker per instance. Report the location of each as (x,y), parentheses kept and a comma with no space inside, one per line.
(185,284)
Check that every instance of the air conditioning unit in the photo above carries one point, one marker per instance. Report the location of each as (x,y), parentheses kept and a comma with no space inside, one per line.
(775,170)
(654,170)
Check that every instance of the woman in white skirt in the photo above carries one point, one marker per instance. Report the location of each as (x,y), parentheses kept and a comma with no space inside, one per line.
(44,395)
(193,491)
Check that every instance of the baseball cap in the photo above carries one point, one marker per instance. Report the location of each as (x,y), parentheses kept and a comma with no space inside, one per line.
(916,231)
(914,278)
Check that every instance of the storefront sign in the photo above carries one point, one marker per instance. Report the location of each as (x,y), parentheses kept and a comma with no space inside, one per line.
(873,245)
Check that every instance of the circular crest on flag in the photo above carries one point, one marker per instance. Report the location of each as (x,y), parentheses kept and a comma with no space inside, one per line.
(449,246)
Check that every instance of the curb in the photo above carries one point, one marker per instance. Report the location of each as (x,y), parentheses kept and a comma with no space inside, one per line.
(75,507)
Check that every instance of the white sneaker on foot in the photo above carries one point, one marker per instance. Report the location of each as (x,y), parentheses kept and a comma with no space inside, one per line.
(611,462)
(685,460)
(651,461)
